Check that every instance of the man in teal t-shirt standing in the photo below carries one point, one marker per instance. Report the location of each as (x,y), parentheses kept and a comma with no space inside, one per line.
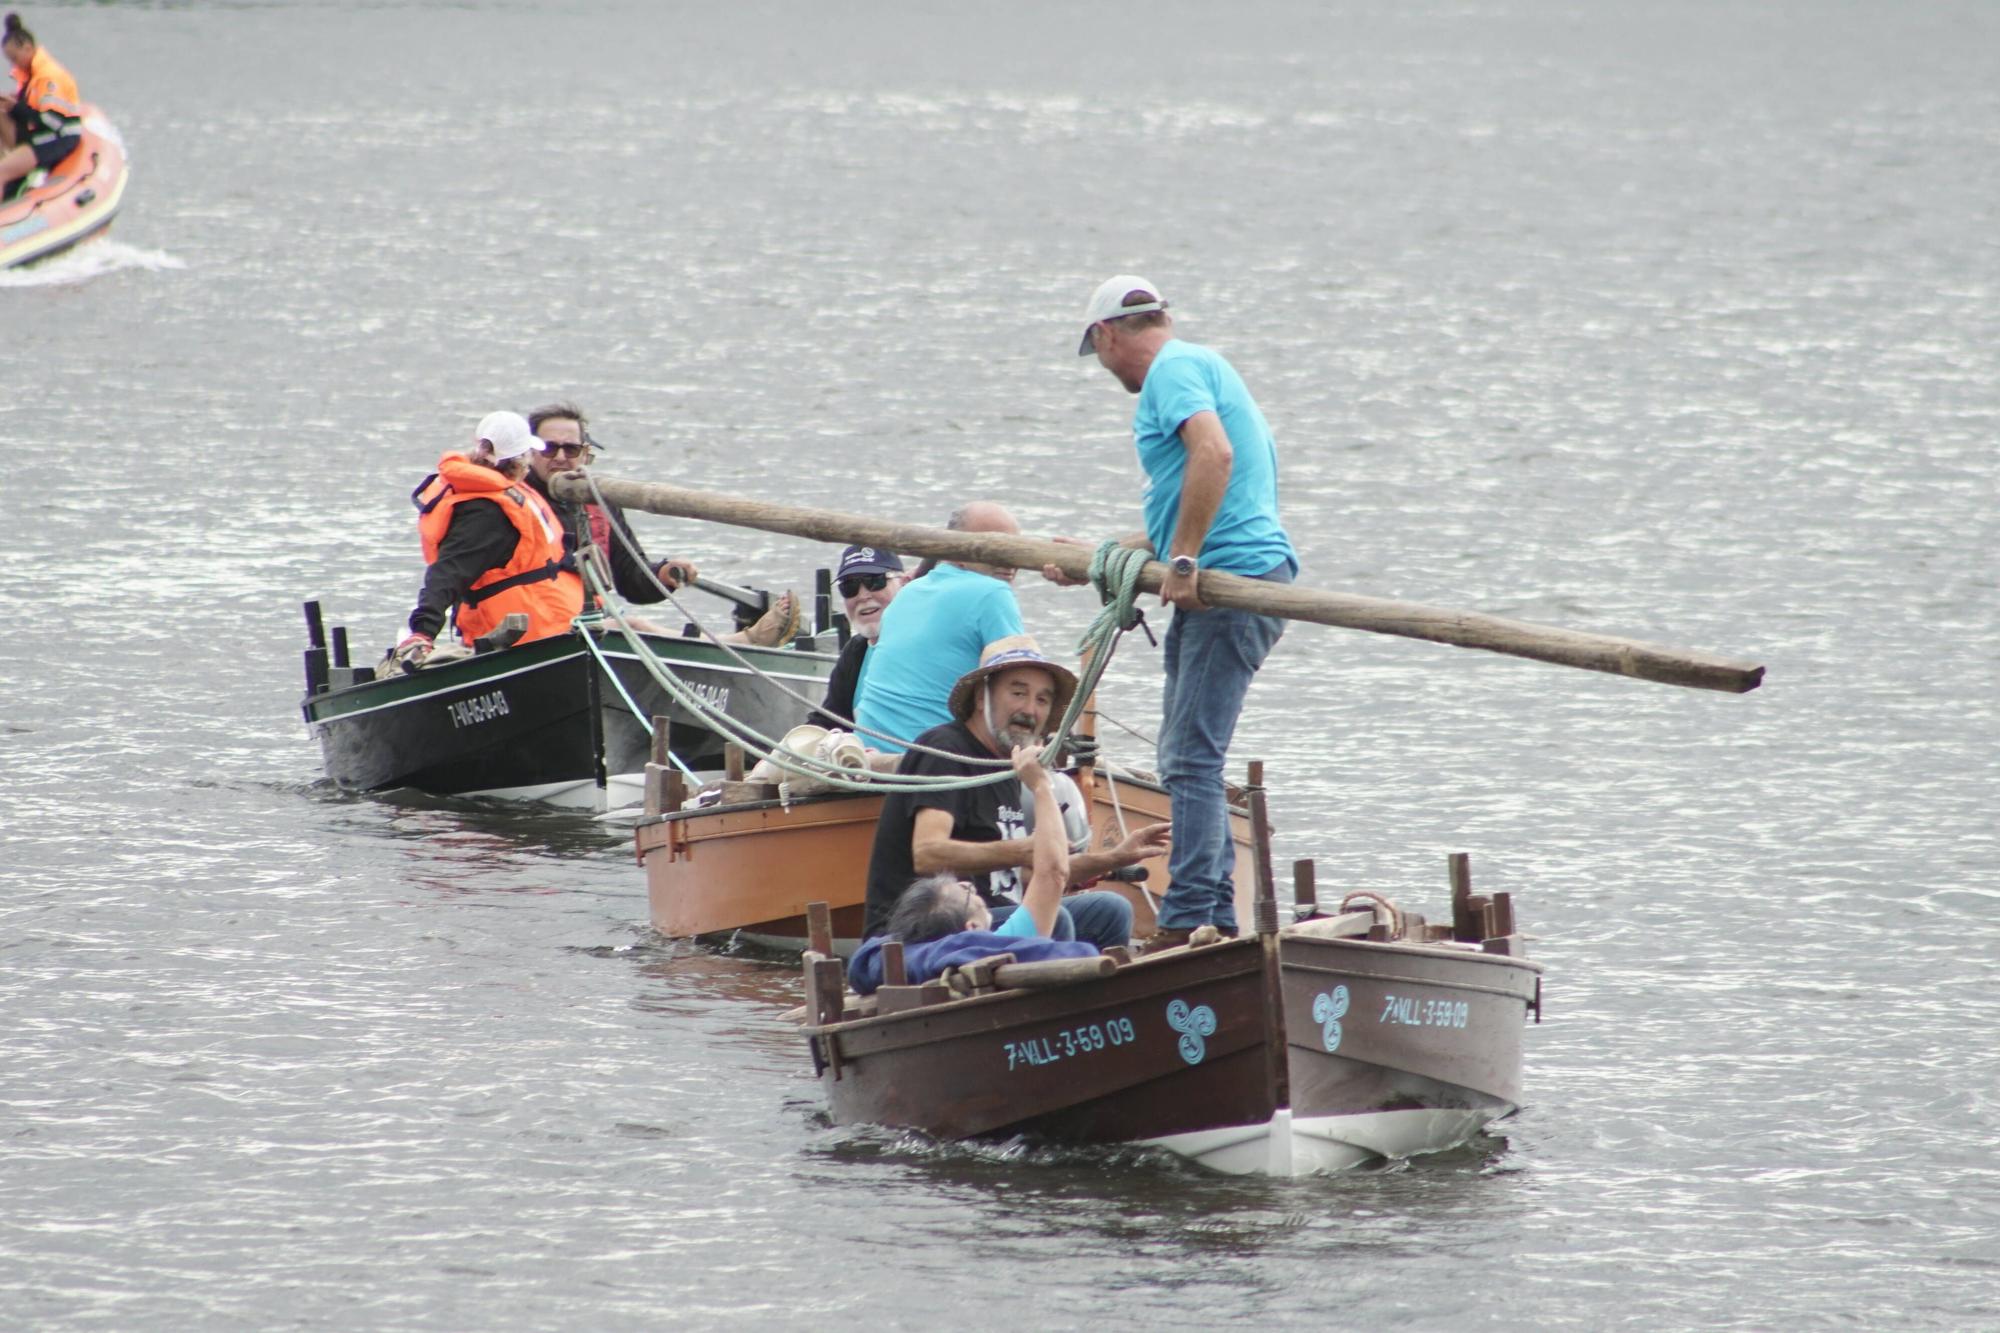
(933,633)
(1210,502)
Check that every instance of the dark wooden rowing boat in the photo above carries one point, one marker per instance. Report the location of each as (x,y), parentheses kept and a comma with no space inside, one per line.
(1174,1044)
(557,720)
(1335,1041)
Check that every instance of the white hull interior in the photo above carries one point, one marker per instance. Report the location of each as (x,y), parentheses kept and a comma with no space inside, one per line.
(1309,1145)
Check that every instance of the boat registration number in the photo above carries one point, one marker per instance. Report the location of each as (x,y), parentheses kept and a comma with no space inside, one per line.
(479,708)
(1408,1011)
(1092,1037)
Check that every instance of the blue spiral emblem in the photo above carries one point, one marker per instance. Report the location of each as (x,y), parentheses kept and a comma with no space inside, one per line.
(1193,1025)
(1327,1011)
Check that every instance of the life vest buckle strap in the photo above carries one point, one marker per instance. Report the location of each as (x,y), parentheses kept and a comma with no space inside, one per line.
(477,595)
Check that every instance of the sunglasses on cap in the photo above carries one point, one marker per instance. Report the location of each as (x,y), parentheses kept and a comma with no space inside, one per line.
(852,585)
(563,450)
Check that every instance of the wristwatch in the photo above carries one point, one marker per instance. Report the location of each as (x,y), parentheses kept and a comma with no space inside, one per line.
(1183,566)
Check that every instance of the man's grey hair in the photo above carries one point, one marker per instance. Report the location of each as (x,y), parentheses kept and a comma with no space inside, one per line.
(928,910)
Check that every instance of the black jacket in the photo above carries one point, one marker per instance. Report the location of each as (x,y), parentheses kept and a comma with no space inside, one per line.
(630,564)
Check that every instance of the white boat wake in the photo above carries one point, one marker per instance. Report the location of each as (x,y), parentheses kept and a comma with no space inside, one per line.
(88,261)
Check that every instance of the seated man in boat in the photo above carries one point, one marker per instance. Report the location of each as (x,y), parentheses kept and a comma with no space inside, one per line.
(39,103)
(868,580)
(944,923)
(934,632)
(979,833)
(492,545)
(567,446)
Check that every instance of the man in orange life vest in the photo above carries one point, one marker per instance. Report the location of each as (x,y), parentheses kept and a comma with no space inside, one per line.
(41,116)
(492,544)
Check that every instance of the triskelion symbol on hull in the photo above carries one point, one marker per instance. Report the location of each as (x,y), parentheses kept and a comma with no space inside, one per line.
(1328,1008)
(1193,1025)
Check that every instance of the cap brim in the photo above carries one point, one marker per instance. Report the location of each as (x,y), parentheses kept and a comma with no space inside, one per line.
(1089,343)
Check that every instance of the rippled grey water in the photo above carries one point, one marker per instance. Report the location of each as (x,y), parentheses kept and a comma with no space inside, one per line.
(1669,321)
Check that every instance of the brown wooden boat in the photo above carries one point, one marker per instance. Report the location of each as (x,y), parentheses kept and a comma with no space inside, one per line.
(1339,1040)
(1167,1045)
(1402,1034)
(751,866)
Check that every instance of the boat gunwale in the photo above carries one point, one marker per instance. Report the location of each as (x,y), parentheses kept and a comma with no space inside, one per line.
(769,802)
(1464,952)
(556,650)
(1018,994)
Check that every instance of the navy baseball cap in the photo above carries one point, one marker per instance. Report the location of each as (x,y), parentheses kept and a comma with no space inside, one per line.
(867,560)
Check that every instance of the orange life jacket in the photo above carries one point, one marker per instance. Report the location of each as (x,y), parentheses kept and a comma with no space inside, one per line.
(530,582)
(49,90)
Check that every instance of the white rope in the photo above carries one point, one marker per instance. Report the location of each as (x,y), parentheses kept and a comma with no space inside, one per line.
(1111,565)
(812,705)
(631,704)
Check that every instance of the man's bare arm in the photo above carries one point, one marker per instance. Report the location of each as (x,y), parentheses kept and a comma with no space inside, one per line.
(1210,458)
(935,852)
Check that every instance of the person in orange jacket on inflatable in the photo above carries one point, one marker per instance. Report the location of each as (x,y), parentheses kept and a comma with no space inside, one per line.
(42,111)
(493,547)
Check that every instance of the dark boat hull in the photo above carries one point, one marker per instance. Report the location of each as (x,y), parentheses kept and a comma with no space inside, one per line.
(541,721)
(720,681)
(1163,1046)
(1424,1052)
(1396,1049)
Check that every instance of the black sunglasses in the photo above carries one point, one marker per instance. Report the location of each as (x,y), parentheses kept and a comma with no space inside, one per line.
(564,450)
(852,585)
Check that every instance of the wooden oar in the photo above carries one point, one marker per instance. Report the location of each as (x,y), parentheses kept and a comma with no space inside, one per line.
(1379,615)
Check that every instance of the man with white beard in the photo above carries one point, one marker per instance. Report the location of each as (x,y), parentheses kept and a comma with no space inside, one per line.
(868,579)
(980,833)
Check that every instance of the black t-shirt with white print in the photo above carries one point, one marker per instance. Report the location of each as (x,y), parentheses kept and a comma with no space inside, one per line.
(989,813)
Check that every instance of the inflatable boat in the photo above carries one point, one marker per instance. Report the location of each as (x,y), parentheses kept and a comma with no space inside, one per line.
(71,204)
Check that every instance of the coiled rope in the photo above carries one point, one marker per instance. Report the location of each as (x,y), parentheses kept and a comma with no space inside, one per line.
(1114,572)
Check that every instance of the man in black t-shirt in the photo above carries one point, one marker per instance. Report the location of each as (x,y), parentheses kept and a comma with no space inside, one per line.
(979,833)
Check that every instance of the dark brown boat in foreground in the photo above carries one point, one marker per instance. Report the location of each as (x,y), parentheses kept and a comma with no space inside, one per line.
(1338,1040)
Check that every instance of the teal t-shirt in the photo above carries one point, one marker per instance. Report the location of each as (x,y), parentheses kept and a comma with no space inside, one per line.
(932,634)
(1246,537)
(1020,924)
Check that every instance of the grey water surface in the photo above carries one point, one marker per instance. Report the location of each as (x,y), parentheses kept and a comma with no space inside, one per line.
(1670,321)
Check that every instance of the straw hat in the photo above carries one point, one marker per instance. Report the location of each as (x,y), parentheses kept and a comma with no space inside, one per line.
(1017,650)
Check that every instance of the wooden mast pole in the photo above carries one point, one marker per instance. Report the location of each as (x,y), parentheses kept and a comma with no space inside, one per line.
(1379,615)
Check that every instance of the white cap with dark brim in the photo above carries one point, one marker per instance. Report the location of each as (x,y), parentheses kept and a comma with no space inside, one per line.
(508,433)
(1108,302)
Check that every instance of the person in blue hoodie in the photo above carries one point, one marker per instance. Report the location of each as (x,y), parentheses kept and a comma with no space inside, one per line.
(944,923)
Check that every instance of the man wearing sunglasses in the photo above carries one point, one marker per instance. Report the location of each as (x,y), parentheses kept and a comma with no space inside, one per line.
(566,446)
(868,579)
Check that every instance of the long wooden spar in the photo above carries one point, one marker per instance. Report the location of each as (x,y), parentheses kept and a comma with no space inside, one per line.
(1379,615)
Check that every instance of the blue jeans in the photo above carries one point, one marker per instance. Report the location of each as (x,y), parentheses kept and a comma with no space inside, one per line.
(1211,657)
(1098,917)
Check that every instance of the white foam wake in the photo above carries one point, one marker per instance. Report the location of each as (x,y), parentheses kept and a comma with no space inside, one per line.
(88,261)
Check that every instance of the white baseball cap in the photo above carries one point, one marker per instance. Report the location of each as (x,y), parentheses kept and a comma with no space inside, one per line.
(1108,302)
(508,433)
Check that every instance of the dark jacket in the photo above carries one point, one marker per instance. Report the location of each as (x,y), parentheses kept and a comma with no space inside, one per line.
(630,565)
(479,538)
(837,709)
